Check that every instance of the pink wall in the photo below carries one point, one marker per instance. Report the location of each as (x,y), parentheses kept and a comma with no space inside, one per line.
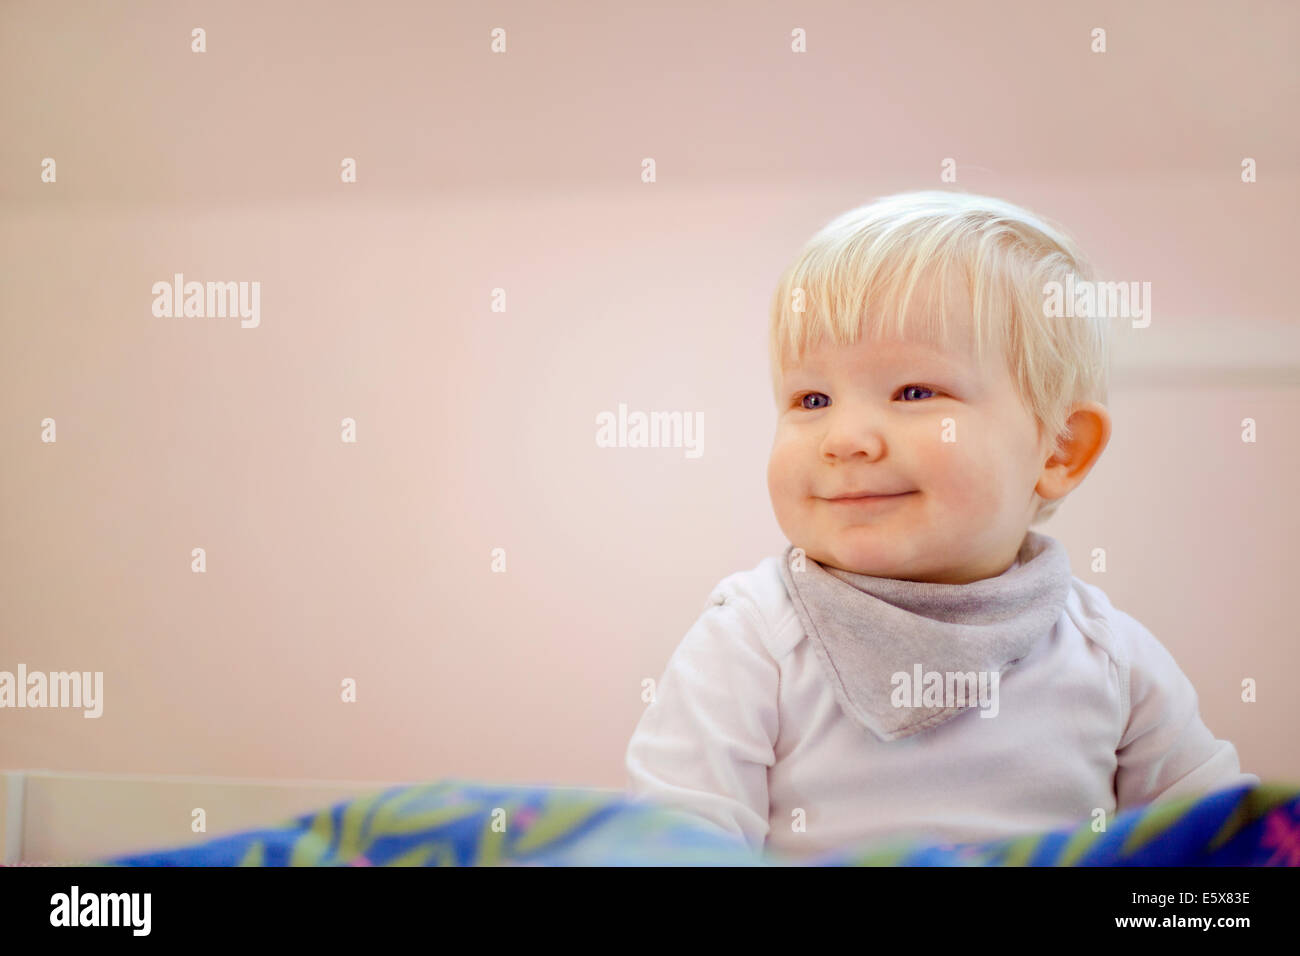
(475,428)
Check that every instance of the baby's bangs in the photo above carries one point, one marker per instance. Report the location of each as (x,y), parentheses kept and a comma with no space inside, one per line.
(850,293)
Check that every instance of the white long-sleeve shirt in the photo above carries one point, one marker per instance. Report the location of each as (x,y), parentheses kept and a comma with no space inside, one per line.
(745,731)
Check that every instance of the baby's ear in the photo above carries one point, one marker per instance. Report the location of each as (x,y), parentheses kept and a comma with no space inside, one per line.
(1076,451)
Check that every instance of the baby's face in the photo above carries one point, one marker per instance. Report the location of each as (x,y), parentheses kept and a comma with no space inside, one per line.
(873,418)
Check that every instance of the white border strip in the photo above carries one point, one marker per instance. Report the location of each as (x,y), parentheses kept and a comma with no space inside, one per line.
(11,818)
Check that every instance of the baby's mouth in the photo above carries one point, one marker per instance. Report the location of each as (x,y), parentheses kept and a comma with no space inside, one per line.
(868,501)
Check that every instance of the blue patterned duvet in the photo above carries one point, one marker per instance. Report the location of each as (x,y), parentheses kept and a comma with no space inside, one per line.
(463,823)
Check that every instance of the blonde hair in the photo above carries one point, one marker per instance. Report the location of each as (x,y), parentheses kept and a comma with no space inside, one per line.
(859,272)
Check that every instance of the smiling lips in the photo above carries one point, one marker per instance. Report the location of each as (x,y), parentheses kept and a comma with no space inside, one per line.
(867,494)
(866,500)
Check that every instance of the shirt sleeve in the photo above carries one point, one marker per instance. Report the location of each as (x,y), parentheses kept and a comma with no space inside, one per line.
(705,743)
(1166,750)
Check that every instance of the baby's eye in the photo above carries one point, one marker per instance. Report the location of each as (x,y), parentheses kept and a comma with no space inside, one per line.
(907,389)
(807,395)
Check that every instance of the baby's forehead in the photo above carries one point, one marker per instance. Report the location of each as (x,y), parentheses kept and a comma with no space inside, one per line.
(869,353)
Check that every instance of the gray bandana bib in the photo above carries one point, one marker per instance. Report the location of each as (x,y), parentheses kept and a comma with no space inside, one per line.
(905,656)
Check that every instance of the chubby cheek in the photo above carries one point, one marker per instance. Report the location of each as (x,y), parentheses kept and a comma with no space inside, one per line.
(966,479)
(786,482)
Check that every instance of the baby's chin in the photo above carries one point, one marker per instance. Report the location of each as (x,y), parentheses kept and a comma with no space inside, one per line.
(873,559)
(873,564)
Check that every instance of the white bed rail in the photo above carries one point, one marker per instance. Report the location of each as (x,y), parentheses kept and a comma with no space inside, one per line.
(58,817)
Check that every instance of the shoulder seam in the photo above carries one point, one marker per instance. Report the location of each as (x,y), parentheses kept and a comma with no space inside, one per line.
(1113,646)
(732,590)
(747,607)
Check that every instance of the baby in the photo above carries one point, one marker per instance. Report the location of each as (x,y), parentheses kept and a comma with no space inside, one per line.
(919,663)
